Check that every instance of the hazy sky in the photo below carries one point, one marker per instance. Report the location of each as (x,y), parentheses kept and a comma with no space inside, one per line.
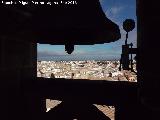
(115,10)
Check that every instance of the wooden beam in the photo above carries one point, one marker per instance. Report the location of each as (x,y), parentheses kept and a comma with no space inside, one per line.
(96,92)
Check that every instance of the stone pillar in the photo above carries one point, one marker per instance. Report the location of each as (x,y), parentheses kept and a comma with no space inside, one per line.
(148,30)
(18,73)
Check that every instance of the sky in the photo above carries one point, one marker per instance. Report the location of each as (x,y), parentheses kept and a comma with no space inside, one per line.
(115,10)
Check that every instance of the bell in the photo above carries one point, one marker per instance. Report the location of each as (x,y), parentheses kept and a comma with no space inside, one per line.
(79,23)
(64,22)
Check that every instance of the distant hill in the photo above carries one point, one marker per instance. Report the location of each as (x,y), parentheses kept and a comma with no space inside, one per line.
(77,58)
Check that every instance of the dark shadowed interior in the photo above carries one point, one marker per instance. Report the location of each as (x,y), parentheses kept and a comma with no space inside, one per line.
(23,94)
